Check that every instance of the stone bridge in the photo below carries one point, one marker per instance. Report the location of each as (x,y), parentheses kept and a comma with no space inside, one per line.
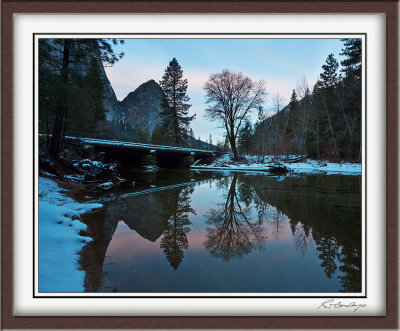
(131,154)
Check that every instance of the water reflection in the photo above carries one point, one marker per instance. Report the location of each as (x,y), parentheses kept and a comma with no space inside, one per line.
(325,212)
(176,208)
(302,237)
(231,231)
(312,221)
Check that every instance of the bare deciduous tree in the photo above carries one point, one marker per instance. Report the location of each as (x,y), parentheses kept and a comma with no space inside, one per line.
(277,101)
(231,97)
(303,91)
(301,87)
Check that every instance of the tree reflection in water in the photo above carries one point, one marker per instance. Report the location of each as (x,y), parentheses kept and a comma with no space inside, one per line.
(323,222)
(232,232)
(177,208)
(302,237)
(329,252)
(323,212)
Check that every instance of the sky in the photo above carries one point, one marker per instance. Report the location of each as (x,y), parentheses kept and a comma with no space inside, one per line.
(281,63)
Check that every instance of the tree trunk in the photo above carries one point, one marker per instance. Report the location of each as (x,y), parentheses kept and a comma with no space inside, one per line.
(55,144)
(64,129)
(232,141)
(176,130)
(47,130)
(330,125)
(276,137)
(318,147)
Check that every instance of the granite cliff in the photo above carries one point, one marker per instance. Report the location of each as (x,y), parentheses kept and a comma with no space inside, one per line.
(138,112)
(141,108)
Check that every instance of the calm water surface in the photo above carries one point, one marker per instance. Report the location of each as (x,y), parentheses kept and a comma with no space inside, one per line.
(233,232)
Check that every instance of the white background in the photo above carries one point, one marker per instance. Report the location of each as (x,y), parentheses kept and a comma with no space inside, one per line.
(373,25)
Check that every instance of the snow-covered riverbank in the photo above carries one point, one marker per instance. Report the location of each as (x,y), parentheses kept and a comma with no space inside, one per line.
(59,238)
(253,163)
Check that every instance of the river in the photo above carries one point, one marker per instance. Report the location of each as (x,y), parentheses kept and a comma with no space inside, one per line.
(183,231)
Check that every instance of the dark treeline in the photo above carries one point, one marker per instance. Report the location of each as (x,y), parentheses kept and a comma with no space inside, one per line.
(71,89)
(322,123)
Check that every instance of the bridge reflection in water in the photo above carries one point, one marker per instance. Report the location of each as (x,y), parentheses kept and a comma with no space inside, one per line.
(235,233)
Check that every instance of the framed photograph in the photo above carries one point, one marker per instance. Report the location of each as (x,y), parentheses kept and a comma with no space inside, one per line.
(199,165)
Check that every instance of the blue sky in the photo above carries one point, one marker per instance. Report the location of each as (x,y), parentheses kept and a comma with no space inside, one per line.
(281,63)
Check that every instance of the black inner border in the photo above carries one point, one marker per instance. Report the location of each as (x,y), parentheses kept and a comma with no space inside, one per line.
(35,200)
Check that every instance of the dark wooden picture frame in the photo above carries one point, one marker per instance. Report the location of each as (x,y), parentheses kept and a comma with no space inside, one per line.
(388,8)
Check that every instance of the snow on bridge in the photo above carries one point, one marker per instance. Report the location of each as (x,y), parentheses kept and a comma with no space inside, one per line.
(139,147)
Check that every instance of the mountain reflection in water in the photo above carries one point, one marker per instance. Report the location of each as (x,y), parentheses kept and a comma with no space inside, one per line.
(234,233)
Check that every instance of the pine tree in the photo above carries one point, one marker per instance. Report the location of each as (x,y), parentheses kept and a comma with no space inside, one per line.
(292,126)
(93,90)
(245,135)
(328,81)
(306,110)
(292,118)
(353,53)
(174,104)
(48,95)
(57,136)
(329,77)
(159,135)
(142,135)
(325,123)
(349,95)
(293,100)
(259,128)
(192,139)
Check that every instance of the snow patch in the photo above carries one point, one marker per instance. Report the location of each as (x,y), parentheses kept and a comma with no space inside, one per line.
(59,239)
(256,163)
(86,163)
(106,185)
(150,168)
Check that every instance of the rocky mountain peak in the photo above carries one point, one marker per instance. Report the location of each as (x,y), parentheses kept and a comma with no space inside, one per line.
(141,108)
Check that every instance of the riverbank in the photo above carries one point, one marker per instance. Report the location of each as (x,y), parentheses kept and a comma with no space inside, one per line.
(61,237)
(294,165)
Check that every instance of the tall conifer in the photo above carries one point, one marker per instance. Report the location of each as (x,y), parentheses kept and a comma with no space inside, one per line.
(174,104)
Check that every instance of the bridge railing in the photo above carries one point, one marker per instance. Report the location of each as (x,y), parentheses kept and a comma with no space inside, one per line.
(142,145)
(95,141)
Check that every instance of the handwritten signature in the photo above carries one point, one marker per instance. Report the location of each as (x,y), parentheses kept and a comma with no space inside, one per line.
(332,304)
